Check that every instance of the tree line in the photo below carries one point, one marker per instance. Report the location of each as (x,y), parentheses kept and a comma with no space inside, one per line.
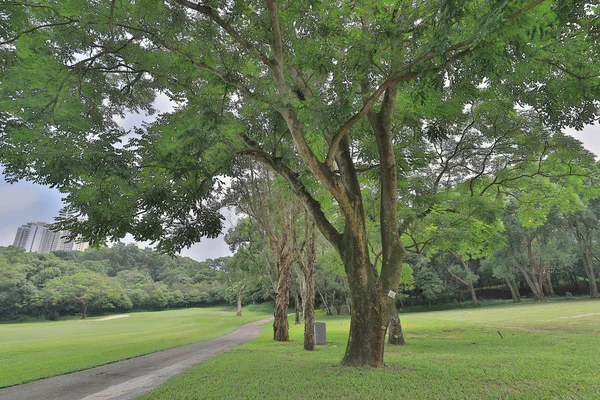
(120,278)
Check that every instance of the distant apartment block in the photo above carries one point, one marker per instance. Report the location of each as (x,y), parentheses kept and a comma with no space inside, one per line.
(36,237)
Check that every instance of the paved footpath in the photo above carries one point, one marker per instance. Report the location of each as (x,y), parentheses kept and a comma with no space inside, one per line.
(131,378)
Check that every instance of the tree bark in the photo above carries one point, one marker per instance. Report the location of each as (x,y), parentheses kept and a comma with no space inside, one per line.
(592,278)
(282,298)
(473,295)
(584,242)
(468,284)
(239,301)
(395,336)
(548,282)
(514,290)
(84,310)
(370,307)
(306,255)
(535,276)
(297,308)
(308,308)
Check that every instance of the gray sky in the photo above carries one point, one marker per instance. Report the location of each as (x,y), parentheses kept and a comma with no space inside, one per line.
(25,202)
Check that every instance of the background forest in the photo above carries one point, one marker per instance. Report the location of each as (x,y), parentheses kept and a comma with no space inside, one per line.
(555,258)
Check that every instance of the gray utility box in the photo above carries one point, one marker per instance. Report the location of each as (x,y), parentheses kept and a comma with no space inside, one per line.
(320,334)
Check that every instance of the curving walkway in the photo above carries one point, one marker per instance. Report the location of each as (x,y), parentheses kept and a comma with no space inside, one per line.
(129,379)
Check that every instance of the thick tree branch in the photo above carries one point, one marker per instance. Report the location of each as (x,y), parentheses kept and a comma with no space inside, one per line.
(277,64)
(562,68)
(35,28)
(326,228)
(210,13)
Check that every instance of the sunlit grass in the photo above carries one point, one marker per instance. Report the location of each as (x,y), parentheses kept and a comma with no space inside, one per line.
(32,351)
(549,351)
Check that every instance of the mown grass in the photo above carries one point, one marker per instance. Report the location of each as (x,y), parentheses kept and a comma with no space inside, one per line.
(549,351)
(32,351)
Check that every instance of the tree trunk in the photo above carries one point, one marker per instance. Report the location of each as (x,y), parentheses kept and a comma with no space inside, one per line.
(468,284)
(239,303)
(296,306)
(592,280)
(473,295)
(585,247)
(308,308)
(370,306)
(548,282)
(84,310)
(395,336)
(306,256)
(282,298)
(534,277)
(538,291)
(325,302)
(514,290)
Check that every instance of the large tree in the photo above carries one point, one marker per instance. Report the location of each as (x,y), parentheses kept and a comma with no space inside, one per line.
(319,92)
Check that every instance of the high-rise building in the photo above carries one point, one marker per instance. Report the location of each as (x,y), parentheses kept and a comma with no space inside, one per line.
(37,237)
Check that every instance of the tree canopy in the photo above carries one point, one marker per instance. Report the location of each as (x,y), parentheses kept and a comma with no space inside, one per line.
(323,93)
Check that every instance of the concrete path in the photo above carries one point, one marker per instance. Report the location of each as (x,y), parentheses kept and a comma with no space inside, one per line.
(131,378)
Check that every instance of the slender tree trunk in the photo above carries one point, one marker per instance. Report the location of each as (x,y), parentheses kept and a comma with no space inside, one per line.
(297,307)
(239,302)
(534,277)
(395,336)
(538,292)
(282,298)
(308,309)
(325,302)
(473,295)
(585,247)
(306,256)
(468,284)
(592,279)
(514,290)
(547,282)
(84,310)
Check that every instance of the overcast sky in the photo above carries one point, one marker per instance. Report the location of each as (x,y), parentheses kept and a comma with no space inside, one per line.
(24,202)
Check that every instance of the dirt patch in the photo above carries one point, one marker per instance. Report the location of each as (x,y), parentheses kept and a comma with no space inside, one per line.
(454,330)
(580,315)
(531,329)
(111,317)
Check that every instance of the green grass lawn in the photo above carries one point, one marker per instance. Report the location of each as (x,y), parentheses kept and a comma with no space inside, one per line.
(549,351)
(37,350)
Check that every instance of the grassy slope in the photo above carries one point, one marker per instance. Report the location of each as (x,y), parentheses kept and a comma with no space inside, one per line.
(36,350)
(545,354)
